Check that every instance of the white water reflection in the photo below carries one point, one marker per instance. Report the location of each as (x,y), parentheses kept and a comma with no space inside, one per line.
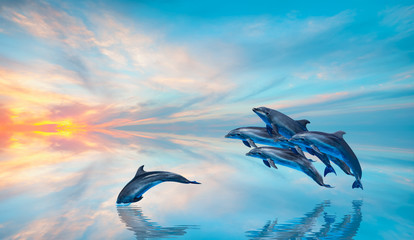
(70,192)
(304,227)
(144,228)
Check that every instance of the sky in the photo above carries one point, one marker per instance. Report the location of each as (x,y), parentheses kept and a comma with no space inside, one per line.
(90,90)
(174,65)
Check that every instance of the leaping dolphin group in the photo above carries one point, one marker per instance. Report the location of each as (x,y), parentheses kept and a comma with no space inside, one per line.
(290,138)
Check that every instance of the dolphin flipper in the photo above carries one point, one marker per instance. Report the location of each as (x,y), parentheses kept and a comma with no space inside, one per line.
(329,169)
(311,151)
(246,143)
(272,163)
(293,150)
(316,149)
(341,164)
(357,184)
(299,150)
(251,143)
(266,163)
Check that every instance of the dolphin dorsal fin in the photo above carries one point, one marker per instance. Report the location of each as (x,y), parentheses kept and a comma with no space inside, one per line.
(339,134)
(140,171)
(303,122)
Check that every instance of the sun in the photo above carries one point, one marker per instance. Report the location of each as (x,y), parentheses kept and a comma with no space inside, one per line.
(61,128)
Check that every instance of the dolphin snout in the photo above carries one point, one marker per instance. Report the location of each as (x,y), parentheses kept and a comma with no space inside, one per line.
(230,135)
(256,110)
(248,154)
(293,138)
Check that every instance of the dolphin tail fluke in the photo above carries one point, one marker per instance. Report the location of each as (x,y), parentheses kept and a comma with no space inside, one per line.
(194,182)
(328,169)
(357,184)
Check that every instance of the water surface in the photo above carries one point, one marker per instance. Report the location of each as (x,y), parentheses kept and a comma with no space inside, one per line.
(65,188)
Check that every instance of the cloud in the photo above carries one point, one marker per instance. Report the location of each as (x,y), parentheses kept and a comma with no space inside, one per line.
(92,53)
(42,20)
(400,17)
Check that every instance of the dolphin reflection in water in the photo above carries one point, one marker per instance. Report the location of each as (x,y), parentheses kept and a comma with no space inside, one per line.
(143,228)
(301,228)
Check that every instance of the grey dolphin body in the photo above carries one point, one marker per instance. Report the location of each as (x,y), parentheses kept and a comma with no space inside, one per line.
(334,145)
(143,181)
(258,135)
(280,122)
(252,135)
(277,122)
(289,159)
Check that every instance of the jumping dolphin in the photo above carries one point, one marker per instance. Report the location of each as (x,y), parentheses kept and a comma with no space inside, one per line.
(334,145)
(340,163)
(143,181)
(287,158)
(277,122)
(252,135)
(326,159)
(280,123)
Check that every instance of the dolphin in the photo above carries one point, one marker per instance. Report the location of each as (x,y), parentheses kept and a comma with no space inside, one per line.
(334,145)
(287,158)
(143,181)
(252,135)
(277,122)
(345,168)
